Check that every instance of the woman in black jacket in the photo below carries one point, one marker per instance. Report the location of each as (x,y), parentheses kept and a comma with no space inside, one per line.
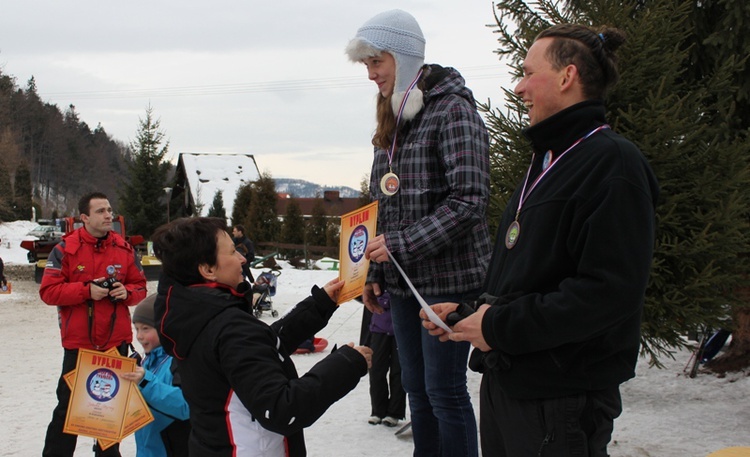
(245,396)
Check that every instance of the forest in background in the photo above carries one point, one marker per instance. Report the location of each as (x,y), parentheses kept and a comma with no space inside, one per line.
(62,156)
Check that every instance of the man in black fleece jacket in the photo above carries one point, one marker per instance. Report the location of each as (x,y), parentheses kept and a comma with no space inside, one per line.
(557,329)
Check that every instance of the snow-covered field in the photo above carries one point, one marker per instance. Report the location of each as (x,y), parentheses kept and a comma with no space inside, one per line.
(666,414)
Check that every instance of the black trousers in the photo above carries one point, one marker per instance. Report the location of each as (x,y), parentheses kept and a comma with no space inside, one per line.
(573,426)
(386,370)
(60,444)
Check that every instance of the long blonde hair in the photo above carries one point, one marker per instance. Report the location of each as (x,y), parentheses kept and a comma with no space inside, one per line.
(386,123)
(386,120)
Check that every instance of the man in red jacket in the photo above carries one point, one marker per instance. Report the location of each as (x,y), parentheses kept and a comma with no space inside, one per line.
(92,276)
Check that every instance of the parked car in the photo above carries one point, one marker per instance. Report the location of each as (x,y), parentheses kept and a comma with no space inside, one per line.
(46,232)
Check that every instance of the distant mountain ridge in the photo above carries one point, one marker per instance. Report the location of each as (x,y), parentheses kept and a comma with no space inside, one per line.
(304,189)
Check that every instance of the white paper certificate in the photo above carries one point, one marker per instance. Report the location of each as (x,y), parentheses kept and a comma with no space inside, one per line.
(430,313)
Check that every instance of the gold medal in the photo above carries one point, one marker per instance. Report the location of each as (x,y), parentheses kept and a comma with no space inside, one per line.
(389,184)
(511,236)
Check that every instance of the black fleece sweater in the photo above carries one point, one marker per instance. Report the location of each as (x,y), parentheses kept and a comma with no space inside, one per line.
(569,295)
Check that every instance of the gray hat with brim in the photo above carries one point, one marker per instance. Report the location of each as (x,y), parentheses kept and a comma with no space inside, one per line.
(397,33)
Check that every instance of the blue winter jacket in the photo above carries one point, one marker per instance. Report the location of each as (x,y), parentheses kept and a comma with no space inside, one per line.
(165,401)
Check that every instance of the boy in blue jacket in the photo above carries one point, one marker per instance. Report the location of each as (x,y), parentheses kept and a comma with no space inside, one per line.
(158,381)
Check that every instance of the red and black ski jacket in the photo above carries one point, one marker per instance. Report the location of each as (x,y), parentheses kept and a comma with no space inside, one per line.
(244,393)
(73,263)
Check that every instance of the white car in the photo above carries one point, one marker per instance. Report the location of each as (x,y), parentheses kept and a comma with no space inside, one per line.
(46,232)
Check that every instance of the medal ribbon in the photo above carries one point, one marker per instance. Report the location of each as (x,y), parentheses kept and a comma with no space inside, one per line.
(524,195)
(392,150)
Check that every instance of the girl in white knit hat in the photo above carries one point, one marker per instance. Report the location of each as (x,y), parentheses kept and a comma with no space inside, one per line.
(430,174)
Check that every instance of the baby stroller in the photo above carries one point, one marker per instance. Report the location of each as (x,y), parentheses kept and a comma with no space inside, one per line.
(264,288)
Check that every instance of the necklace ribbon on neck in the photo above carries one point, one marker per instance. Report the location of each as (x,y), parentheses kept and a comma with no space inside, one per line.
(514,231)
(390,183)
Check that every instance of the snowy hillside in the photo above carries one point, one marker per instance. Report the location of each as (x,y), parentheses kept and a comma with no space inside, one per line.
(305,189)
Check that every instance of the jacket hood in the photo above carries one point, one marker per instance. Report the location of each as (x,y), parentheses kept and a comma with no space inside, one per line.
(182,312)
(440,81)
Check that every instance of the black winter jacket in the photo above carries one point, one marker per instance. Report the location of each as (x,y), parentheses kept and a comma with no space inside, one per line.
(244,393)
(569,295)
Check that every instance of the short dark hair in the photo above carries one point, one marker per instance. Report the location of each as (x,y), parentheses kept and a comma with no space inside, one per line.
(184,244)
(84,204)
(591,51)
(240,228)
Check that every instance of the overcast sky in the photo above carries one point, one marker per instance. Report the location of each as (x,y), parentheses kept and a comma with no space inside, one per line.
(261,77)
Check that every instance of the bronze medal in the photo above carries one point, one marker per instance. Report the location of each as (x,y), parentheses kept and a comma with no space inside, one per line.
(511,236)
(389,184)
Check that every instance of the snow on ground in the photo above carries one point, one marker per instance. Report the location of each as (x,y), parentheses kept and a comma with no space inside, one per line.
(666,414)
(11,235)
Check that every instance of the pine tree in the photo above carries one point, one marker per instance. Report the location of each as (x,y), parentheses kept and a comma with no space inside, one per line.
(365,196)
(142,201)
(9,151)
(317,226)
(262,221)
(6,195)
(22,192)
(198,201)
(333,233)
(217,206)
(719,50)
(683,124)
(293,226)
(720,39)
(242,203)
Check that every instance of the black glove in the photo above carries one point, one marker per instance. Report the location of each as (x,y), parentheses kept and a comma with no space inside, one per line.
(463,310)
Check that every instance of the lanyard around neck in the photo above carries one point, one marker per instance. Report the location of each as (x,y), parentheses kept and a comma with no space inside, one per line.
(524,195)
(392,150)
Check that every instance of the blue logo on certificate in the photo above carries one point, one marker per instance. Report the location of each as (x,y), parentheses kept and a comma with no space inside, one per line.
(102,385)
(357,243)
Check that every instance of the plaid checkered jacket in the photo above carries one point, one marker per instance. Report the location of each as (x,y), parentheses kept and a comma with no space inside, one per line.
(435,225)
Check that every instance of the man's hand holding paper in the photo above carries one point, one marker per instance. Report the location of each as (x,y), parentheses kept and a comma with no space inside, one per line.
(467,329)
(377,252)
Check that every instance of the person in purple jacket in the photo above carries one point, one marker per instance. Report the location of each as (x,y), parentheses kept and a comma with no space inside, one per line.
(386,392)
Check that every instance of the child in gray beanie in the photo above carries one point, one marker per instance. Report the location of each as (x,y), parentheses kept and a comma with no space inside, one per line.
(159,382)
(430,175)
(144,312)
